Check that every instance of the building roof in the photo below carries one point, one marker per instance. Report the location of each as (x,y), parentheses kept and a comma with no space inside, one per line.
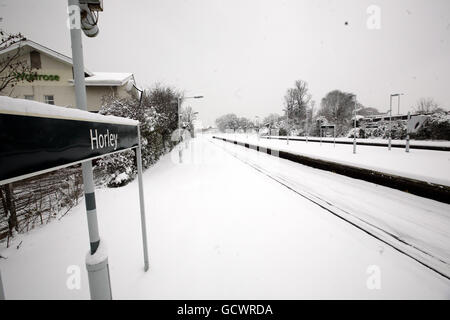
(108,79)
(58,56)
(91,79)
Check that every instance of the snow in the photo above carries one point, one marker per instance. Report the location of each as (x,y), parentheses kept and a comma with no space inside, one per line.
(33,108)
(108,78)
(99,256)
(121,177)
(422,225)
(425,165)
(219,229)
(381,141)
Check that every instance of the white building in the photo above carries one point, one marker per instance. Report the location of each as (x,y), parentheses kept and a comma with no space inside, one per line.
(52,77)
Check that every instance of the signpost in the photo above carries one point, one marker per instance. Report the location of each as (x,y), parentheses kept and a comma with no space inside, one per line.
(34,143)
(37,138)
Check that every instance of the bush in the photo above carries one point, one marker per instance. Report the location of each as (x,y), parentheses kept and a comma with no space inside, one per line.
(157,116)
(398,131)
(436,127)
(119,168)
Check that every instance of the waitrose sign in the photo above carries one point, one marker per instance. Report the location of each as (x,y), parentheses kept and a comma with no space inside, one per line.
(35,77)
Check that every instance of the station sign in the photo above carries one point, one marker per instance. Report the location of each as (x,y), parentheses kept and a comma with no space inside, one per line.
(32,144)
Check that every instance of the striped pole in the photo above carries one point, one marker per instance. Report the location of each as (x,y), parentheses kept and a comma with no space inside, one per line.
(96,262)
(91,209)
(407,132)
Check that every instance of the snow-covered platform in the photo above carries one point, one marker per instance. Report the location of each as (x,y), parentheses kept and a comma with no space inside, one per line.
(423,165)
(221,229)
(414,144)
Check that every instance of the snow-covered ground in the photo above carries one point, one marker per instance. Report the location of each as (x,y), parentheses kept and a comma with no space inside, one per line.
(420,227)
(218,228)
(436,143)
(426,165)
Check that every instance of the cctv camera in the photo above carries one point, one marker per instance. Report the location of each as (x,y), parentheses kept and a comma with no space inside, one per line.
(89,16)
(88,21)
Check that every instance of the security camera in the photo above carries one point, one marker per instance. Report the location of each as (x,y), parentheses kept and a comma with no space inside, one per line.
(89,16)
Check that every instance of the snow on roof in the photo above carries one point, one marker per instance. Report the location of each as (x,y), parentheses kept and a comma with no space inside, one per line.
(38,109)
(108,79)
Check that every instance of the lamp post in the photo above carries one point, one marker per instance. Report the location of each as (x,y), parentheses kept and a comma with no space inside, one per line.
(390,116)
(179,101)
(132,84)
(354,124)
(287,124)
(98,268)
(407,132)
(336,120)
(193,129)
(257,124)
(398,108)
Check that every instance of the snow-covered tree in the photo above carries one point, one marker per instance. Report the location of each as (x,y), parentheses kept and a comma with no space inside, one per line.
(157,116)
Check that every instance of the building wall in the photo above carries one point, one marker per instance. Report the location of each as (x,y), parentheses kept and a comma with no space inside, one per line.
(63,90)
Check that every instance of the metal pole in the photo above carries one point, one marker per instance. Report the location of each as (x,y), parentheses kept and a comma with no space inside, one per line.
(98,269)
(334,136)
(390,123)
(354,130)
(141,202)
(180,150)
(186,143)
(334,127)
(407,132)
(2,291)
(307,127)
(287,117)
(259,129)
(312,112)
(320,132)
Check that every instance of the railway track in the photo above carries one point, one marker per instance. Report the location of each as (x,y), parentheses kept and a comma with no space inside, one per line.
(414,252)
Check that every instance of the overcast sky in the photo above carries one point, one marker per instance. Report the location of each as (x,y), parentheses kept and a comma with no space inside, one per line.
(243,55)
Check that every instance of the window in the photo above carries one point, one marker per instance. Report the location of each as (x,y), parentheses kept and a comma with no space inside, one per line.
(49,99)
(35,58)
(29,97)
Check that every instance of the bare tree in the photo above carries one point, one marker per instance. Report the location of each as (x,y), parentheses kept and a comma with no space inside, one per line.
(297,100)
(272,119)
(426,105)
(228,121)
(188,115)
(337,108)
(11,66)
(302,99)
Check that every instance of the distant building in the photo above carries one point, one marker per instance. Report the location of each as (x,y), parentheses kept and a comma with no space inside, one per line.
(375,121)
(53,78)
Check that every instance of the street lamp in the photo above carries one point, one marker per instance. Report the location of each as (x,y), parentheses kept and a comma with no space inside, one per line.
(307,124)
(390,116)
(189,121)
(336,120)
(287,124)
(354,125)
(257,124)
(131,84)
(179,100)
